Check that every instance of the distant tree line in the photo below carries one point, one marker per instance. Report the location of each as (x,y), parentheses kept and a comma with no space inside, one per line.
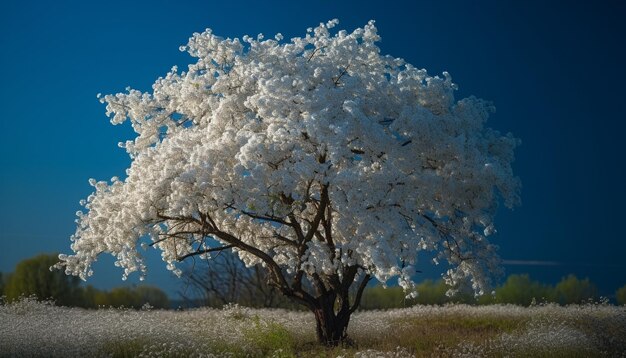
(33,277)
(517,289)
(224,279)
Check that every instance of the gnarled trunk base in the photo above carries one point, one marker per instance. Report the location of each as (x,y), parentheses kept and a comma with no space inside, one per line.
(332,329)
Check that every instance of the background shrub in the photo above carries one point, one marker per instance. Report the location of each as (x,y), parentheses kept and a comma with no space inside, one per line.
(34,277)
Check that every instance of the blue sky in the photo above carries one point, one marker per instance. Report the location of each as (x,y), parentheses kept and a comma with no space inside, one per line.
(555,71)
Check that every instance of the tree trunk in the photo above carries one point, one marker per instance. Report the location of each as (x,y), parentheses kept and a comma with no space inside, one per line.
(332,329)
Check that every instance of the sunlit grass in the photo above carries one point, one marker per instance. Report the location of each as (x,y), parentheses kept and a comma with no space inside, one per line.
(270,338)
(30,328)
(426,335)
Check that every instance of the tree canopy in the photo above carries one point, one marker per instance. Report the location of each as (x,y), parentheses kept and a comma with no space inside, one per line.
(318,158)
(520,289)
(2,283)
(571,289)
(33,276)
(620,295)
(132,297)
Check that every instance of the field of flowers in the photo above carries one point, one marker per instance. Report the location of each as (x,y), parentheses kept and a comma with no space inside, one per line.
(29,328)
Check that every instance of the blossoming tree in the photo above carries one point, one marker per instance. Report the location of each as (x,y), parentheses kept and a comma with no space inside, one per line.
(318,158)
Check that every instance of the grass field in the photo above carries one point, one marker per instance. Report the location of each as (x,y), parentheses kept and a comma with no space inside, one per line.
(30,328)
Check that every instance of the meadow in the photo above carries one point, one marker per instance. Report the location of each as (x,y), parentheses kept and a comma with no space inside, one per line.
(29,328)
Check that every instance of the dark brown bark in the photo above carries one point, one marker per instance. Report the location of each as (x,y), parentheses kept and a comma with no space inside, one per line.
(332,310)
(332,328)
(326,295)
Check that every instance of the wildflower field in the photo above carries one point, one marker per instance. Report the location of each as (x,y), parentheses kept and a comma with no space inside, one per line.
(29,328)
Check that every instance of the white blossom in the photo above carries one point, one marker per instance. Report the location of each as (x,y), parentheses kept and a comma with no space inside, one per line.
(249,138)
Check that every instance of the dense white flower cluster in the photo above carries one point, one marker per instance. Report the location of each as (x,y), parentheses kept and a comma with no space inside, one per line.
(317,153)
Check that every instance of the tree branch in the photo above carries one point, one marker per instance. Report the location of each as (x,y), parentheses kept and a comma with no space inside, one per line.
(204,251)
(359,293)
(313,53)
(343,72)
(319,215)
(327,224)
(260,217)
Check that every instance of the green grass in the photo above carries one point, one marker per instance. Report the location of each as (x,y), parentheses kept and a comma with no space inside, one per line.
(270,339)
(133,347)
(421,337)
(424,336)
(421,331)
(550,353)
(126,348)
(428,336)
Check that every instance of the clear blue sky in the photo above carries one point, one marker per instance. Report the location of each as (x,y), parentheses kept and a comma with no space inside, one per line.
(556,73)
